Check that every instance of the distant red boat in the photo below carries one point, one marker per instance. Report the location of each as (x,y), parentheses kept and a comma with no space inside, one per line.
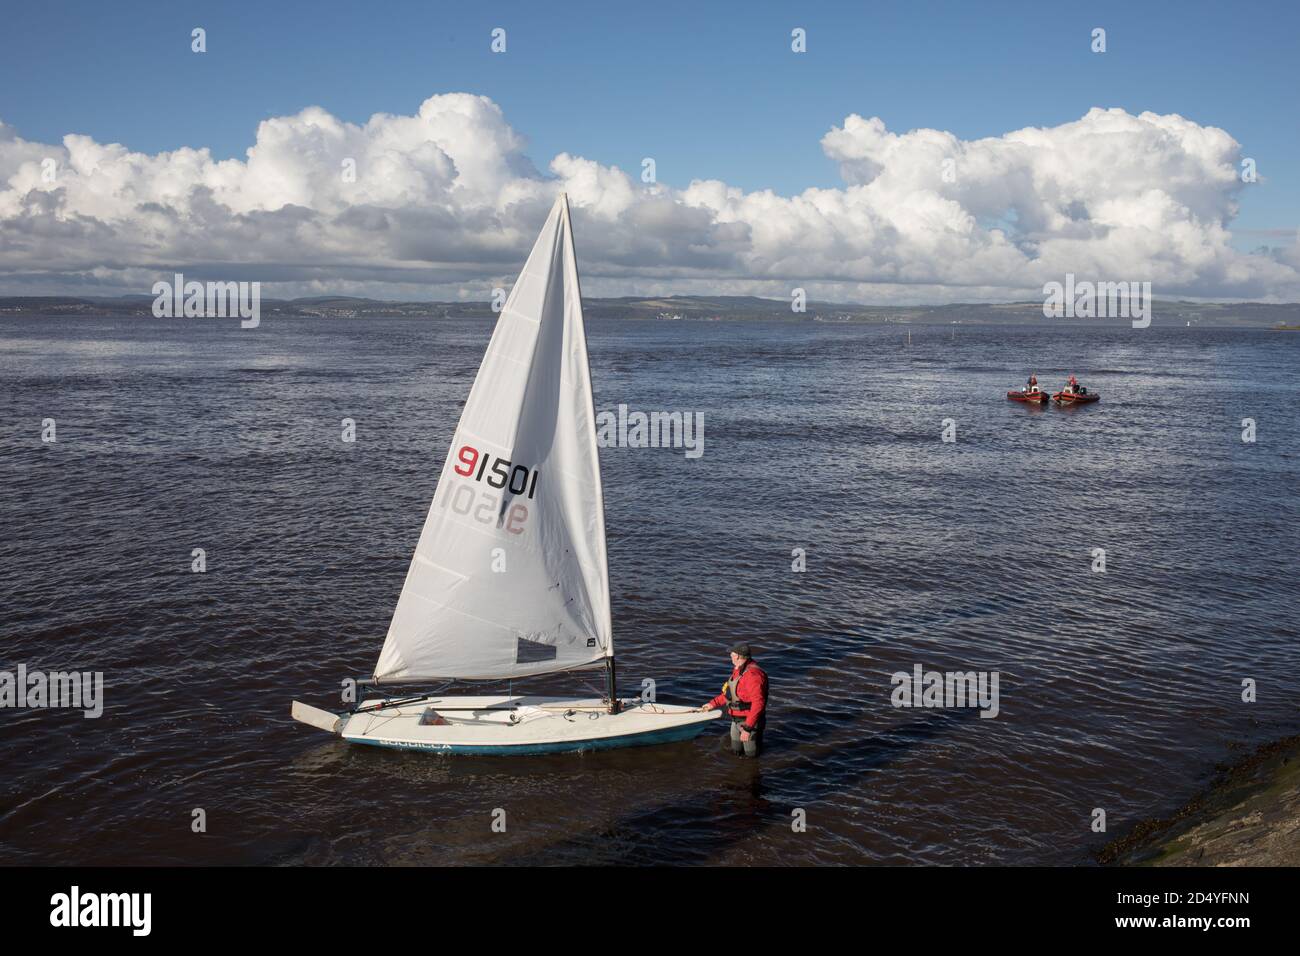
(1028,396)
(1076,398)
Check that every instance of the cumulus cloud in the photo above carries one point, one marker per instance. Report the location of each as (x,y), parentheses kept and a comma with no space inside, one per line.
(446,203)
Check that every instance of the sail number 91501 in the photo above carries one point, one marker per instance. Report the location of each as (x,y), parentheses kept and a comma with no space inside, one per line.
(497,474)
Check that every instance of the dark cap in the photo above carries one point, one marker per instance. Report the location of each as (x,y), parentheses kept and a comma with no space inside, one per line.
(742,649)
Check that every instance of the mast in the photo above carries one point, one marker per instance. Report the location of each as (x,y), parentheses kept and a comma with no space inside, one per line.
(611,678)
(611,685)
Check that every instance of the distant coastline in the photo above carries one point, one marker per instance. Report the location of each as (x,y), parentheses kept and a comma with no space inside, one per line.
(1256,315)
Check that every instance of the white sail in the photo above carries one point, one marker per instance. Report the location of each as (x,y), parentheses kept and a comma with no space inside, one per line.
(510,576)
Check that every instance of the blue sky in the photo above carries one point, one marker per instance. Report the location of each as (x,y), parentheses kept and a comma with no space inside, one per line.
(711,90)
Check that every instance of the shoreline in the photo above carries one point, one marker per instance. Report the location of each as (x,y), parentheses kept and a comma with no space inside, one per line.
(1249,815)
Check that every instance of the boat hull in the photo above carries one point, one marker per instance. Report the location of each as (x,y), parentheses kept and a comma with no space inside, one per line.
(1065,398)
(519,726)
(1032,398)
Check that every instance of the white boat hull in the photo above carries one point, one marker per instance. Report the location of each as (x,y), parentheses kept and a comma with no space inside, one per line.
(512,725)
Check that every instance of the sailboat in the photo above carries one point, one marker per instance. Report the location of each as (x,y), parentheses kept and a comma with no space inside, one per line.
(510,577)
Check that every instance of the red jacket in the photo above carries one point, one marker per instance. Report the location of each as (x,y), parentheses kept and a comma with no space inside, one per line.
(751,688)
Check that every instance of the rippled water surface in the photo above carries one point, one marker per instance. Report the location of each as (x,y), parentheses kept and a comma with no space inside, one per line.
(1118,690)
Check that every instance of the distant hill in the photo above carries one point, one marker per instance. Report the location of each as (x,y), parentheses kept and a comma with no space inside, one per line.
(693,308)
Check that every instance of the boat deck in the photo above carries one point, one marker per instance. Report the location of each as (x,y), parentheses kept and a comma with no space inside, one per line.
(520,725)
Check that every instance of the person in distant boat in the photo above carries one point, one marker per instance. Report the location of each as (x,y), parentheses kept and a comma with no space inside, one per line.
(1032,386)
(1072,387)
(744,696)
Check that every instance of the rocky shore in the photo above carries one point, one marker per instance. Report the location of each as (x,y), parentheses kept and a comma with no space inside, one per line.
(1249,816)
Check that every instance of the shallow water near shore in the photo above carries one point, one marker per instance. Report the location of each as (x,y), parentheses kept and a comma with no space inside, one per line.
(1118,690)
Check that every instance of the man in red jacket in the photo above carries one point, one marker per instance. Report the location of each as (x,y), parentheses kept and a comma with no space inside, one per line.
(745,698)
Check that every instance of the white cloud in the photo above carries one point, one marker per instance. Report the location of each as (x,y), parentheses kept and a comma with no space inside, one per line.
(446,203)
